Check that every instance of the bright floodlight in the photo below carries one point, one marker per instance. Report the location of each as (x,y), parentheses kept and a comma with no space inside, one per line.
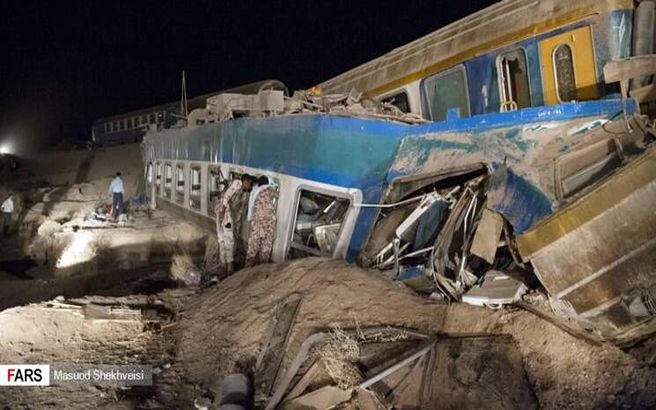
(3,150)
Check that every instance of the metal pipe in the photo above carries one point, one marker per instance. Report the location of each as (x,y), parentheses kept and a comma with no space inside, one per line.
(407,201)
(426,347)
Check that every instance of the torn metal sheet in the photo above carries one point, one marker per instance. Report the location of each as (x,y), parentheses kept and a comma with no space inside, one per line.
(487,236)
(596,257)
(449,258)
(497,289)
(521,203)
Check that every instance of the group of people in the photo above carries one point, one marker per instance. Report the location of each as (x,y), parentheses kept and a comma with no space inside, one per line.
(246,222)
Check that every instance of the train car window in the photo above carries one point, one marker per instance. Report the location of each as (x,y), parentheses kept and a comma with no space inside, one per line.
(158,178)
(144,119)
(214,188)
(513,80)
(151,118)
(106,128)
(116,127)
(137,122)
(446,90)
(160,117)
(179,183)
(564,72)
(129,121)
(317,224)
(168,180)
(399,100)
(194,192)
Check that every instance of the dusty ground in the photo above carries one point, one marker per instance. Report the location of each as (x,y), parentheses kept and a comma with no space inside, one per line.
(220,327)
(224,325)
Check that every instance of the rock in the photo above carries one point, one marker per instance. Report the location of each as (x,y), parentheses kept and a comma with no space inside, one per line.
(49,228)
(202,403)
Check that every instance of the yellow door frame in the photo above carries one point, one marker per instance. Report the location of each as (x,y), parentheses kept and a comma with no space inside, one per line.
(583,59)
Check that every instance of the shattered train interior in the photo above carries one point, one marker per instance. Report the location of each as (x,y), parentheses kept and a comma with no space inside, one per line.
(434,234)
(317,224)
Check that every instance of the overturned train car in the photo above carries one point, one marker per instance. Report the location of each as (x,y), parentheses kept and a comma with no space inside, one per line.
(537,165)
(409,200)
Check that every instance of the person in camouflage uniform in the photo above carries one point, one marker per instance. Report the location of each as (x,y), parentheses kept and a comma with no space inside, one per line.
(262,228)
(239,208)
(225,228)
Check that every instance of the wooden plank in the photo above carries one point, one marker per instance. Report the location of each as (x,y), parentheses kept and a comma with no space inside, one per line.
(644,94)
(274,349)
(628,68)
(323,398)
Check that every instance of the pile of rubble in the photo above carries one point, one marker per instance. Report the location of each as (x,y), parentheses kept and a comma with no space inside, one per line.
(317,333)
(267,103)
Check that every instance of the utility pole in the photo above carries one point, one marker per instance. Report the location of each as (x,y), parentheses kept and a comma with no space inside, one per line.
(184,110)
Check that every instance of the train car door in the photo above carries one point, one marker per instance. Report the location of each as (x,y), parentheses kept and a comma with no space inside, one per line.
(568,67)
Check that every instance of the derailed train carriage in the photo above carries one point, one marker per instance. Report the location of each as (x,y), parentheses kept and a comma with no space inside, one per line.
(508,183)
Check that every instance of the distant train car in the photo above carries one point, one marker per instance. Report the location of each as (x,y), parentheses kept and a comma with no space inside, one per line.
(132,126)
(514,54)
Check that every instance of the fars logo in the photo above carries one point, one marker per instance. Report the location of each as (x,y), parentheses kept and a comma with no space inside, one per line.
(24,375)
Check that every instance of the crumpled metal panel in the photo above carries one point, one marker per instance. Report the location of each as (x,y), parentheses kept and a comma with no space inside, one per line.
(527,141)
(599,253)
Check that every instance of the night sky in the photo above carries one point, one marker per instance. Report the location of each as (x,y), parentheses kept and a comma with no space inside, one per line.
(65,64)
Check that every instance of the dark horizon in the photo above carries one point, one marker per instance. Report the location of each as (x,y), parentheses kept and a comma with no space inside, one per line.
(66,66)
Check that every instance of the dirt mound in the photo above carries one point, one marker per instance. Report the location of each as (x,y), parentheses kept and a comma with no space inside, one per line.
(224,327)
(226,324)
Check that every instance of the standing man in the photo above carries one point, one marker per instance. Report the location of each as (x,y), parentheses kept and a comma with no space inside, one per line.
(7,210)
(262,228)
(225,228)
(116,191)
(239,208)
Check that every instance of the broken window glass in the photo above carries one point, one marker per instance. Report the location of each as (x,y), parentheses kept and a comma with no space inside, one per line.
(194,192)
(180,184)
(513,79)
(582,167)
(168,180)
(444,91)
(149,173)
(317,224)
(158,177)
(399,100)
(564,71)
